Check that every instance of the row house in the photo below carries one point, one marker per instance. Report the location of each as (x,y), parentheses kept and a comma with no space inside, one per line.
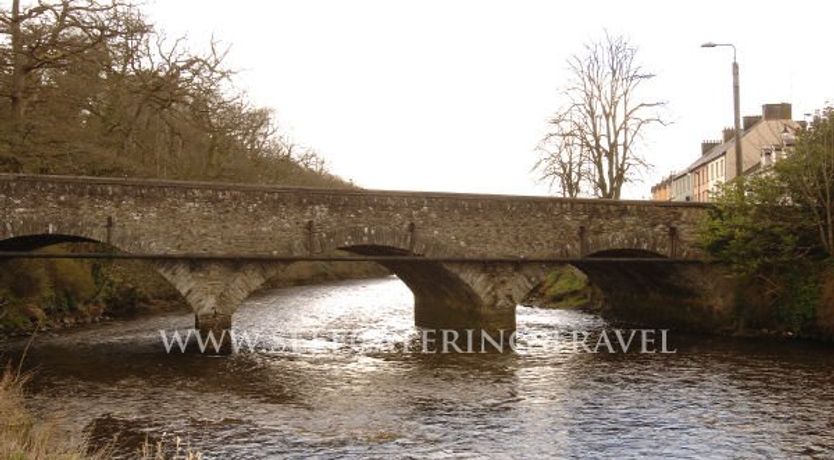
(662,191)
(682,187)
(765,139)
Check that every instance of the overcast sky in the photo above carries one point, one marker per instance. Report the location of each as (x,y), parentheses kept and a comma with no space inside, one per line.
(454,95)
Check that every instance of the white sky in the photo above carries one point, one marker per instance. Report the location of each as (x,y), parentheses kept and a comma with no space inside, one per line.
(454,95)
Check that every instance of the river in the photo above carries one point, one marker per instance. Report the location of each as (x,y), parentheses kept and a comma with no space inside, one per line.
(330,396)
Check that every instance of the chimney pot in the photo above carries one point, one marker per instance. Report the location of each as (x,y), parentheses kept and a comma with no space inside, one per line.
(780,111)
(706,146)
(749,121)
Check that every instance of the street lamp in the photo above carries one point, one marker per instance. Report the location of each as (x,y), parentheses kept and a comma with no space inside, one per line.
(736,104)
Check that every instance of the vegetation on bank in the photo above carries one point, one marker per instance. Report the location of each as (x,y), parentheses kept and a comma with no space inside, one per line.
(775,231)
(50,294)
(566,288)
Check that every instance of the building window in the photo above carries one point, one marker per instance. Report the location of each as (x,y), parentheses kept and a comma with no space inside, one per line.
(767,156)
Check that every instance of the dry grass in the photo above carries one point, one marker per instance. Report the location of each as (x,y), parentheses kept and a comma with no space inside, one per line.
(161,451)
(23,437)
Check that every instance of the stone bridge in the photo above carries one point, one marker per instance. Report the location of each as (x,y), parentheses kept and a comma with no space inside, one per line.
(476,292)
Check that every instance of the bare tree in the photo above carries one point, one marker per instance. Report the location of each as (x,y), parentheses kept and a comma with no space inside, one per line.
(91,87)
(311,160)
(562,163)
(48,34)
(602,121)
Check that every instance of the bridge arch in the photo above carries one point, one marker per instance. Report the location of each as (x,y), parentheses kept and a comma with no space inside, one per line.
(39,232)
(26,243)
(39,241)
(406,240)
(621,242)
(656,293)
(444,294)
(212,289)
(209,288)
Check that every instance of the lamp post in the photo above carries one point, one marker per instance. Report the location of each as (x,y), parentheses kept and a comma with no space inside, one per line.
(736,105)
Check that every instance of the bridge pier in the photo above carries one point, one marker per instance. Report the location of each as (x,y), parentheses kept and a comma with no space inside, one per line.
(461,297)
(216,331)
(215,290)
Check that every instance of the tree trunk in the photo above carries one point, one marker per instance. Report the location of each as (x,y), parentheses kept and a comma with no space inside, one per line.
(18,77)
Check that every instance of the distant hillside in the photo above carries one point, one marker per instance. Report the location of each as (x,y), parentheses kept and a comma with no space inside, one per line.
(90,87)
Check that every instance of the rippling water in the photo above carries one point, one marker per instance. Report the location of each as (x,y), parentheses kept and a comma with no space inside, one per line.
(713,398)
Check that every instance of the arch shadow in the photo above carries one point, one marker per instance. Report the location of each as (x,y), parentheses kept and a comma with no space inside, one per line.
(648,293)
(27,243)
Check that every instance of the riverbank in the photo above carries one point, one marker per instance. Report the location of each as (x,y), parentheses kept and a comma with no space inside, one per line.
(799,304)
(796,306)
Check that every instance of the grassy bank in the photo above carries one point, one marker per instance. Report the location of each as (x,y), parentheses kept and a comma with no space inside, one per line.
(565,287)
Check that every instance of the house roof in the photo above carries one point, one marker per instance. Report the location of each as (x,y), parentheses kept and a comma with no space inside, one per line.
(680,174)
(712,154)
(760,132)
(753,168)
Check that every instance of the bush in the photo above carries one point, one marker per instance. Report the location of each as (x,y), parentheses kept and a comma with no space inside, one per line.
(753,228)
(797,306)
(72,280)
(771,243)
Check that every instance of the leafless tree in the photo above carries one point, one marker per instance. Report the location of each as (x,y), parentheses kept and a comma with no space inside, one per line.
(562,162)
(310,159)
(602,121)
(91,87)
(50,33)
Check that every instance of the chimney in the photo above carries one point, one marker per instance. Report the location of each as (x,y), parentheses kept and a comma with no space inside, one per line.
(728,134)
(749,121)
(777,111)
(706,146)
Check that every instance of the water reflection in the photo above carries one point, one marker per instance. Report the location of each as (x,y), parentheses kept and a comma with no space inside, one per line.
(715,397)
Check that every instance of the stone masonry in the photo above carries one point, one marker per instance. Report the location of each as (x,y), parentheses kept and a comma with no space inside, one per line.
(167,217)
